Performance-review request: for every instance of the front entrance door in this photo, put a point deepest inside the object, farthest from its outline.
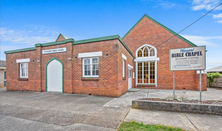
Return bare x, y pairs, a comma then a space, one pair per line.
129, 78
54, 76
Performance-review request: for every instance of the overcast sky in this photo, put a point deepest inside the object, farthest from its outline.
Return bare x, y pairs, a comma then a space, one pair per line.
27, 22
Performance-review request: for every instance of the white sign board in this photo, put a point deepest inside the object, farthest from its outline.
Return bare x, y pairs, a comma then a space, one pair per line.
192, 58
57, 50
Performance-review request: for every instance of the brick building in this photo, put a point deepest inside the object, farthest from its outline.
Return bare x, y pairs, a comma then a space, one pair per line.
106, 66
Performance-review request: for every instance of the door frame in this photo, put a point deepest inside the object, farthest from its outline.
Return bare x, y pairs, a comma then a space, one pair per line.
131, 69
46, 73
143, 72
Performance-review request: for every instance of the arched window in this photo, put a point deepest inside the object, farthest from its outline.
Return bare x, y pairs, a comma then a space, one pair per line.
146, 65
146, 51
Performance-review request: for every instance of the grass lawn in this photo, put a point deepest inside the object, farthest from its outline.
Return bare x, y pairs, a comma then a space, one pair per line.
135, 126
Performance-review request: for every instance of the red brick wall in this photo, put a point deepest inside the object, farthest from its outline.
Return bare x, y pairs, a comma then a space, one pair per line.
203, 82
63, 56
148, 32
60, 38
110, 81
13, 75
123, 82
107, 84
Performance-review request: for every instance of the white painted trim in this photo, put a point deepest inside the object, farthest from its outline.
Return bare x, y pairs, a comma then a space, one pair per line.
91, 67
25, 72
156, 73
202, 72
136, 73
144, 59
129, 66
143, 74
123, 56
124, 68
90, 54
57, 50
148, 73
149, 51
26, 60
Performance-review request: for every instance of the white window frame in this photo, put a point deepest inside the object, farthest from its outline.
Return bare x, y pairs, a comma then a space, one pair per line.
26, 60
148, 73
91, 68
124, 74
4, 75
146, 45
124, 65
146, 59
26, 73
90, 54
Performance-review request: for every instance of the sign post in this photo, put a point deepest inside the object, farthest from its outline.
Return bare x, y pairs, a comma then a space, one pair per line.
173, 85
200, 88
191, 58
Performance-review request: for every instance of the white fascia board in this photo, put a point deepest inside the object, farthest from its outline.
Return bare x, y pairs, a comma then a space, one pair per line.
23, 60
129, 66
123, 56
142, 59
90, 54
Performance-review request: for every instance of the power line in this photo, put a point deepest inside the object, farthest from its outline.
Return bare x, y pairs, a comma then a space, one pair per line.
190, 24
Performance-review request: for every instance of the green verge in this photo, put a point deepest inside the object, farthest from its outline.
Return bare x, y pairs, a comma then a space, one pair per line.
135, 126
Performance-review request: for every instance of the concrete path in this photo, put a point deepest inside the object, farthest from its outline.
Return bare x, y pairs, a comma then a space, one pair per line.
210, 94
186, 121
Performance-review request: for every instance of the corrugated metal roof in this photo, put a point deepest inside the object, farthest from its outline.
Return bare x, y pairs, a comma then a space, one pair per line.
2, 63
216, 69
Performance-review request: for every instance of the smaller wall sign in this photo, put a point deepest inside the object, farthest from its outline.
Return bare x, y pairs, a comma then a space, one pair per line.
57, 50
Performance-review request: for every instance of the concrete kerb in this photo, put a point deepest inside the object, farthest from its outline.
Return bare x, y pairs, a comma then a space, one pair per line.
178, 107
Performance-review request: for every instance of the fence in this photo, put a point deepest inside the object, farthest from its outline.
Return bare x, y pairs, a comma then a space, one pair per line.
217, 82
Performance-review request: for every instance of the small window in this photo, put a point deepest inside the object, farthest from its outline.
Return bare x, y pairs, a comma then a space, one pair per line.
90, 67
124, 69
4, 83
23, 70
4, 74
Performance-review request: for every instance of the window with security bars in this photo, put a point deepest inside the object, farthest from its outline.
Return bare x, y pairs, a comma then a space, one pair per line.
23, 70
91, 67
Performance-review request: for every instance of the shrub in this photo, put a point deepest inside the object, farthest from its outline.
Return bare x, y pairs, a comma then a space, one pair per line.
211, 76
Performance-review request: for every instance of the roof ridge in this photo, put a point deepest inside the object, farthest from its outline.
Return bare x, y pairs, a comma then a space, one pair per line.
64, 37
163, 26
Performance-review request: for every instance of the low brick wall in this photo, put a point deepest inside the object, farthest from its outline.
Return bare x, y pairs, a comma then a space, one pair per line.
177, 107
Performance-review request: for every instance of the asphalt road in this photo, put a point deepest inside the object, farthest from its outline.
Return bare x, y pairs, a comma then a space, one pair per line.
33, 111
37, 111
